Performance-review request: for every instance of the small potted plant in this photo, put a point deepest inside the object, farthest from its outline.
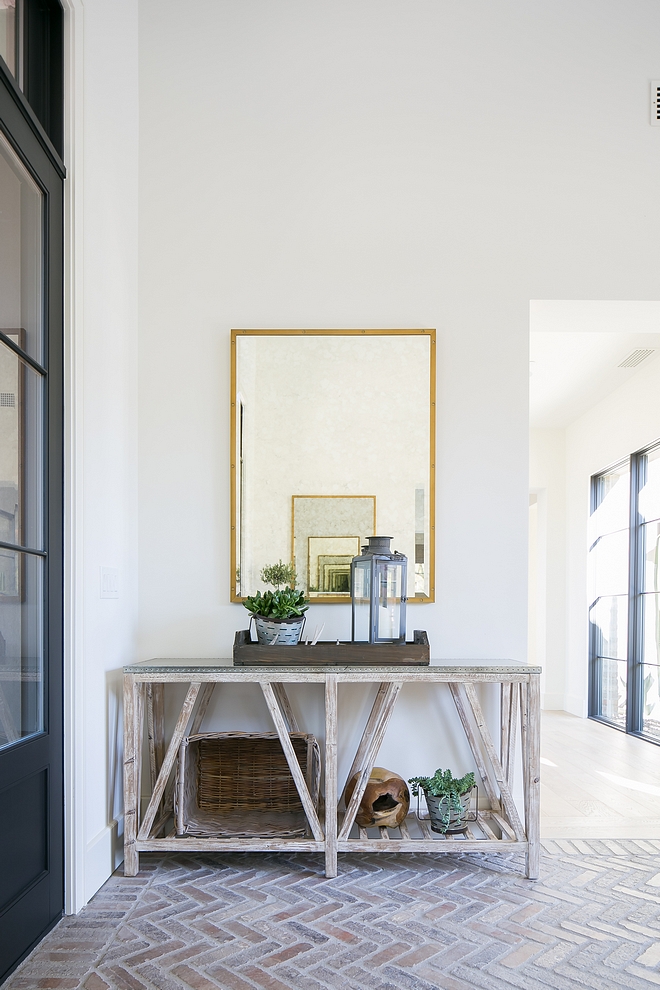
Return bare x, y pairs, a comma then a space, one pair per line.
277, 574
279, 615
447, 798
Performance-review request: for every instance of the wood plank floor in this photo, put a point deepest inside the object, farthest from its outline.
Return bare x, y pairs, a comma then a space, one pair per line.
597, 782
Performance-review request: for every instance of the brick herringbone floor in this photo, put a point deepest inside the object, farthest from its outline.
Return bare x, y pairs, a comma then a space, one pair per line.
269, 922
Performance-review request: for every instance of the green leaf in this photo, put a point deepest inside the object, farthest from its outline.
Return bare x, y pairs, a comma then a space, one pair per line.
443, 784
284, 604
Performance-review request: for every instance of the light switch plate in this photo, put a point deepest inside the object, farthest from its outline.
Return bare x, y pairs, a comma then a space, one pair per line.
109, 582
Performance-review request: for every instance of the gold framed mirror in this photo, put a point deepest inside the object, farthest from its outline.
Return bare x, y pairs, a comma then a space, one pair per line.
332, 440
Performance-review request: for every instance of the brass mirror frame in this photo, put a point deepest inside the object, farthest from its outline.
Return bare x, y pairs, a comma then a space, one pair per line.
431, 334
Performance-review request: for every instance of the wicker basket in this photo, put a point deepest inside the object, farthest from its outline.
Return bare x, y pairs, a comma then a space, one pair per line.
239, 784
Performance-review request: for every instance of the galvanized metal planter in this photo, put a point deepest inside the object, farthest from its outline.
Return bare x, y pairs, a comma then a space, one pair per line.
444, 817
279, 632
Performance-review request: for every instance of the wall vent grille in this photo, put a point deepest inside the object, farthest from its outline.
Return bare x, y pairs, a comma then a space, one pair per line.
7, 399
636, 357
655, 102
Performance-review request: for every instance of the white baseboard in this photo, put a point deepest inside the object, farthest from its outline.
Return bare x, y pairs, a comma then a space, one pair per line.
575, 704
552, 702
104, 853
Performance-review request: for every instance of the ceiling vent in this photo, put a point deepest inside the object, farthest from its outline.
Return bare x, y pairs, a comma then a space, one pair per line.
636, 357
655, 102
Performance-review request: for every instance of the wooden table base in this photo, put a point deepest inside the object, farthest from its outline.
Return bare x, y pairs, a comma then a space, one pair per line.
498, 827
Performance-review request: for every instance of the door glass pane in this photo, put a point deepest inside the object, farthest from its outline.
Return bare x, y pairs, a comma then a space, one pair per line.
612, 498
609, 622
8, 33
21, 204
651, 627
613, 681
21, 455
21, 646
650, 700
608, 560
651, 550
649, 495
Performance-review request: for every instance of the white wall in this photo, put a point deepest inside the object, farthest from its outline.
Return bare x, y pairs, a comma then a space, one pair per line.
337, 164
626, 421
547, 481
378, 164
101, 407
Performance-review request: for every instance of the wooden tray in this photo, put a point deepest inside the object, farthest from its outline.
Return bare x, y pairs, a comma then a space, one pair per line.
415, 654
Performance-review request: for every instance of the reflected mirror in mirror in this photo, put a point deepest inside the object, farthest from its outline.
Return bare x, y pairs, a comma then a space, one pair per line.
322, 551
333, 435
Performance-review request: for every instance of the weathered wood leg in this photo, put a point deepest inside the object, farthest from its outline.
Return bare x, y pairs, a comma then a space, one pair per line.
131, 794
509, 716
205, 694
157, 730
331, 775
491, 793
153, 772
168, 763
505, 715
505, 791
158, 700
367, 763
292, 760
532, 778
372, 721
285, 707
524, 718
511, 745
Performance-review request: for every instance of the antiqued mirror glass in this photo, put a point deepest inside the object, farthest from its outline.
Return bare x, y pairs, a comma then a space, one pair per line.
333, 435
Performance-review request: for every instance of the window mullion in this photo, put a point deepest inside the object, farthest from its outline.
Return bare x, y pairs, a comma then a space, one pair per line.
635, 587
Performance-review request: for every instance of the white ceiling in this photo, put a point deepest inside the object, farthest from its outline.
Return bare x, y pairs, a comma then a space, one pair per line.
575, 348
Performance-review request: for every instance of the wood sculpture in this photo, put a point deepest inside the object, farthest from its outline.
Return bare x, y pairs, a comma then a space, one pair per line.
386, 799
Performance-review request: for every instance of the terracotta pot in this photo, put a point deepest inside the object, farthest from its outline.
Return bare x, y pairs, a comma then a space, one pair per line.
386, 799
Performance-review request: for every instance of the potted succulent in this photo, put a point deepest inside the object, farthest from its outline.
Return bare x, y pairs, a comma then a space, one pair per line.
447, 798
279, 616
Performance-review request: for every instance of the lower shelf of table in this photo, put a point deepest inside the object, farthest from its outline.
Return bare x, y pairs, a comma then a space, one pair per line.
198, 844
490, 832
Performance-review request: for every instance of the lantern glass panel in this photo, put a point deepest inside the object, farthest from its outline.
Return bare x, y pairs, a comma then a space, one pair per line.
389, 600
361, 600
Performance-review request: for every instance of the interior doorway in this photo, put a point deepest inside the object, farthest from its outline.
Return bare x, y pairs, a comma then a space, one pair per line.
594, 401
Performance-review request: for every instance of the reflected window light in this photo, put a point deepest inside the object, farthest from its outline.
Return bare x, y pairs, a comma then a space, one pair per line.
631, 785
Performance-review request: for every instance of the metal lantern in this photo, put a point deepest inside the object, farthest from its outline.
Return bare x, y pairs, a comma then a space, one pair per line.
378, 593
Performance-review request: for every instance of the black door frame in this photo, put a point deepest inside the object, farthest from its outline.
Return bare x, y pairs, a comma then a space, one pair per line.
40, 905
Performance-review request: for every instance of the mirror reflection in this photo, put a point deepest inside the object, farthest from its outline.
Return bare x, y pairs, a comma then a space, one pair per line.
332, 440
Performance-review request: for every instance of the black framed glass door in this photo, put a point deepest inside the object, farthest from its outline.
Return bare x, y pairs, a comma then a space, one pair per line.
624, 611
644, 702
31, 511
609, 549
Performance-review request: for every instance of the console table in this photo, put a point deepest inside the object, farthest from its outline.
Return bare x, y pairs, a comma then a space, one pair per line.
498, 827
